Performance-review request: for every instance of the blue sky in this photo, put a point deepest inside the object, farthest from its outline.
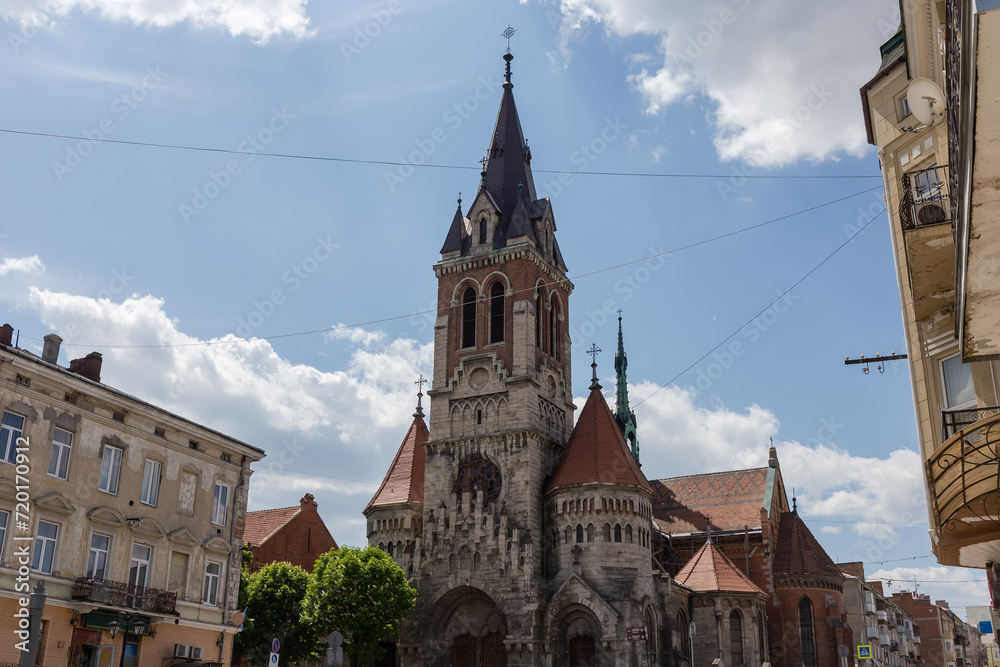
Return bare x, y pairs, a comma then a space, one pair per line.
145, 253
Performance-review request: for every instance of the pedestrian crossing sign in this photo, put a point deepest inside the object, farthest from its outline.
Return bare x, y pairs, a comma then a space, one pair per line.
865, 651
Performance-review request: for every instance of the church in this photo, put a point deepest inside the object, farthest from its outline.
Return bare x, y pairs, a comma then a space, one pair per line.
534, 540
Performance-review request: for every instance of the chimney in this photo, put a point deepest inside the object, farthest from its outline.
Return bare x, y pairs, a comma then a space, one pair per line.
89, 367
6, 335
308, 500
50, 352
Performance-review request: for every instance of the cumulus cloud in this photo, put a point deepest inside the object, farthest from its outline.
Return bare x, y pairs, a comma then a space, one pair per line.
678, 437
21, 265
258, 19
960, 587
345, 423
781, 75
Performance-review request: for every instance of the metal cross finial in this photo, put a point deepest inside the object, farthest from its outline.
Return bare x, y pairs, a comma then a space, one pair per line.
459, 203
508, 33
594, 351
483, 161
421, 381
619, 313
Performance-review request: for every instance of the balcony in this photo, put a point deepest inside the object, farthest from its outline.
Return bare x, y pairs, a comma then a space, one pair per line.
872, 632
924, 210
120, 594
882, 615
924, 201
883, 639
963, 483
953, 421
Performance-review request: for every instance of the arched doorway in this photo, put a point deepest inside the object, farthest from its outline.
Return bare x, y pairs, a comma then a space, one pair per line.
577, 638
471, 628
582, 652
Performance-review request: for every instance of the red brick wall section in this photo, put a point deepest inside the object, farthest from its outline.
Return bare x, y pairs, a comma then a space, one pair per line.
783, 628
300, 542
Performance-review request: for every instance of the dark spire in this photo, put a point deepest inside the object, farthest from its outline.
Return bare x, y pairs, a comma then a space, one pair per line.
421, 381
456, 233
623, 414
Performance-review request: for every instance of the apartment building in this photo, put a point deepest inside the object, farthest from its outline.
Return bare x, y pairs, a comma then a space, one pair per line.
130, 515
930, 110
878, 621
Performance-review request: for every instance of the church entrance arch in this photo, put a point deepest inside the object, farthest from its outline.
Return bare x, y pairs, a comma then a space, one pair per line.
470, 623
577, 638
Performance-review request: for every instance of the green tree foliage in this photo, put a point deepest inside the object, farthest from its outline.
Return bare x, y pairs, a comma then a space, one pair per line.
273, 598
360, 592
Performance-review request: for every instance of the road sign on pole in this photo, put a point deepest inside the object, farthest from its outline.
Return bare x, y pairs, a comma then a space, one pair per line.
273, 662
865, 651
275, 645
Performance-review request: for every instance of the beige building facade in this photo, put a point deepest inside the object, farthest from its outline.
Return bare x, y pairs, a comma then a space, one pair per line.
931, 111
128, 513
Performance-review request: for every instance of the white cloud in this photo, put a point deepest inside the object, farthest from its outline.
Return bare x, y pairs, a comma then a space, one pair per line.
258, 19
21, 264
960, 587
678, 437
831, 530
345, 423
783, 75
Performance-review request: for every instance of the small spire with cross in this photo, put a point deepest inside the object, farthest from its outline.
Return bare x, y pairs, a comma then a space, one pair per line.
460, 199
508, 33
420, 382
593, 352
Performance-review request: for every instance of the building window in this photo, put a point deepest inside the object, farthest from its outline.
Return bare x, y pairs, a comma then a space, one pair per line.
97, 561
220, 504
482, 230
62, 445
958, 389
138, 571
150, 483
212, 576
552, 330
556, 332
736, 638
496, 312
3, 532
579, 533
806, 635
111, 465
10, 430
539, 321
45, 547
469, 318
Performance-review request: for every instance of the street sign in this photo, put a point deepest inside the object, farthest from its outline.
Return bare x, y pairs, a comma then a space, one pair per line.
275, 645
865, 651
335, 639
637, 634
273, 662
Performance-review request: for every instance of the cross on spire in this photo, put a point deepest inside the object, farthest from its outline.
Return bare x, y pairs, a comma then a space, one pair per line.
420, 382
508, 33
593, 352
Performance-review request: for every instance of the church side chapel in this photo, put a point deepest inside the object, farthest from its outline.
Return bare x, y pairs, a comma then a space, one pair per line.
534, 542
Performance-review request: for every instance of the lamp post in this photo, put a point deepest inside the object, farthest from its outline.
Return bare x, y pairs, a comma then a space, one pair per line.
132, 623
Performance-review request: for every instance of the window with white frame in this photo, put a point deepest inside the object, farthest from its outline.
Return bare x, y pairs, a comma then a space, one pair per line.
138, 571
4, 516
62, 446
958, 389
948, 646
213, 574
220, 504
45, 547
111, 465
150, 483
97, 561
10, 430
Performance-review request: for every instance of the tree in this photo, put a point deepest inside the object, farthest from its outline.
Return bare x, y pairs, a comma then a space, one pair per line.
273, 597
360, 592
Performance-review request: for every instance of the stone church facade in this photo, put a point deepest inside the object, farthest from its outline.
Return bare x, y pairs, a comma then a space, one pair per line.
531, 541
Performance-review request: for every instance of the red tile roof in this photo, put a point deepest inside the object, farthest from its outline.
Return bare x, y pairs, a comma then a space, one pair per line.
262, 524
597, 451
731, 500
799, 552
404, 481
709, 571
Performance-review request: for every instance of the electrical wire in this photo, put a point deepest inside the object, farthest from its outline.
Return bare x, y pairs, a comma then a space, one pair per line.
237, 340
390, 163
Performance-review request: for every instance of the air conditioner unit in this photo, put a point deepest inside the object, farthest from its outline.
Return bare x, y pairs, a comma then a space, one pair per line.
181, 650
930, 213
195, 653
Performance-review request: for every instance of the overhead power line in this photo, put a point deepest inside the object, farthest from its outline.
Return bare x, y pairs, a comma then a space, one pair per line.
427, 165
392, 318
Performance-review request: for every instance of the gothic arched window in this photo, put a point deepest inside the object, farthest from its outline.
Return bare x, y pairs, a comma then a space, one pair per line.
469, 318
579, 533
736, 638
618, 532
496, 312
482, 230
481, 478
806, 635
552, 329
539, 322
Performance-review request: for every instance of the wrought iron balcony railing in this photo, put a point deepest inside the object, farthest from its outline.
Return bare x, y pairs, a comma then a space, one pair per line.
120, 594
924, 200
953, 421
963, 476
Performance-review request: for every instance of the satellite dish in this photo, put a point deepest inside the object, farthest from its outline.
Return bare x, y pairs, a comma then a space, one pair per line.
925, 99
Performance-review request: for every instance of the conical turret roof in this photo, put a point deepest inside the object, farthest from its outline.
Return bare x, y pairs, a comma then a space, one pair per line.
710, 571
404, 482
